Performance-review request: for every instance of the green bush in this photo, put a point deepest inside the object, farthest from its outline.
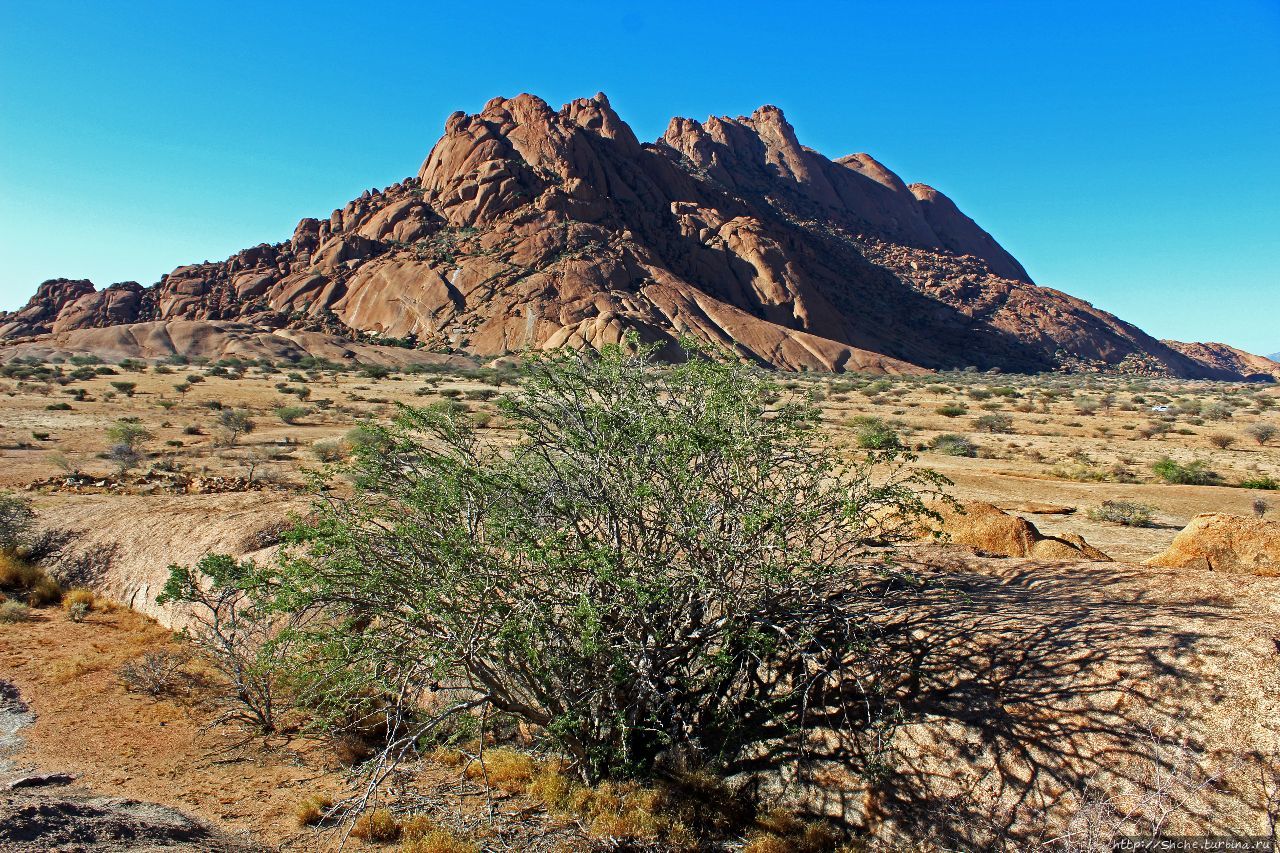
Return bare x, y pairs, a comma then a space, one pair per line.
993, 423
1268, 483
953, 445
14, 611
1195, 473
292, 414
877, 435
693, 596
952, 410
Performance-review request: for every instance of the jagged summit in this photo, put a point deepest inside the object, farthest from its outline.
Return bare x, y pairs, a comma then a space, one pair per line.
528, 226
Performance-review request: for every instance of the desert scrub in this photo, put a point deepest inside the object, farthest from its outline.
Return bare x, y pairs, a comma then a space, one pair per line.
1127, 513
379, 826
952, 410
605, 568
312, 810
18, 577
1195, 473
17, 519
78, 602
503, 768
329, 451
14, 611
292, 414
875, 434
949, 444
1267, 483
155, 673
993, 423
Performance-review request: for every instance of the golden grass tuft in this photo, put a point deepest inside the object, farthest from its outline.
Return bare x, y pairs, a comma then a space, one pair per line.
506, 769
781, 832
447, 757
79, 596
416, 827
69, 669
311, 811
379, 826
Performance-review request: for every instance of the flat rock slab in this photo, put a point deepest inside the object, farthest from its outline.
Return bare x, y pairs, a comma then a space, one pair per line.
41, 780
32, 822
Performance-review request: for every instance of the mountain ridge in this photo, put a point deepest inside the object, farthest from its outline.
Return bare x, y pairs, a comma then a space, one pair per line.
530, 227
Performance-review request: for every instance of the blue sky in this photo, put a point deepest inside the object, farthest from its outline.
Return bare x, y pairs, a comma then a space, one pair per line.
1126, 152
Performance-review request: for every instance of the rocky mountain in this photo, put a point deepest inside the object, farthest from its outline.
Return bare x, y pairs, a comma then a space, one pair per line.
1275, 356
530, 227
1229, 359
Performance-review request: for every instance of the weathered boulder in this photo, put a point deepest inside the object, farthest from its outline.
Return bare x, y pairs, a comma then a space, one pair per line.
1220, 542
990, 530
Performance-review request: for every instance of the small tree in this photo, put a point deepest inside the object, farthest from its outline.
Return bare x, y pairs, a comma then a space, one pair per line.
993, 423
231, 623
666, 566
17, 519
130, 433
1262, 432
235, 423
1222, 440
125, 457
125, 388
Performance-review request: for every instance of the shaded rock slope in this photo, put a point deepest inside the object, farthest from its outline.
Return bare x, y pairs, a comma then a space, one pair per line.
530, 227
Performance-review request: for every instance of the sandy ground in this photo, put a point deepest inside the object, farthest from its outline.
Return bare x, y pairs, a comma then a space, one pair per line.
1094, 643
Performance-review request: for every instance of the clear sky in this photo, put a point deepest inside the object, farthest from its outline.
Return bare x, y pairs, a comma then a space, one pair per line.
1126, 152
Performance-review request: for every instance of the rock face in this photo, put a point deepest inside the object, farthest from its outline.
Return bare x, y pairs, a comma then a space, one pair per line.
1228, 358
1225, 543
990, 530
530, 227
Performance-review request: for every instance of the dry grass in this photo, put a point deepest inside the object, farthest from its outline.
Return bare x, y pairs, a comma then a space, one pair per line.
312, 810
379, 826
505, 769
25, 580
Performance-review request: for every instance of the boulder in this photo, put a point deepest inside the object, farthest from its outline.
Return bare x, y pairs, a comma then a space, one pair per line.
1219, 542
990, 530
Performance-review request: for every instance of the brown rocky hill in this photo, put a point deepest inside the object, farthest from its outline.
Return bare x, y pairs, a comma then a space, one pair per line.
1230, 359
529, 227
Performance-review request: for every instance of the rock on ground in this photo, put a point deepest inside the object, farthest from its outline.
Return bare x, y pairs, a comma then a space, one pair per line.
1225, 543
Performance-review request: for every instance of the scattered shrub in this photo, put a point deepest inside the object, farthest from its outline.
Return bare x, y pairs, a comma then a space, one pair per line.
993, 423
156, 673
329, 451
78, 602
953, 445
877, 435
677, 439
1196, 473
1266, 483
292, 414
14, 611
1222, 440
506, 769
952, 410
1127, 513
1262, 433
312, 810
17, 519
379, 826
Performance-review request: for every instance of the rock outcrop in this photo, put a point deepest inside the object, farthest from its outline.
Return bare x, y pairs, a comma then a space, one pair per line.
1225, 543
531, 227
990, 530
1230, 359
